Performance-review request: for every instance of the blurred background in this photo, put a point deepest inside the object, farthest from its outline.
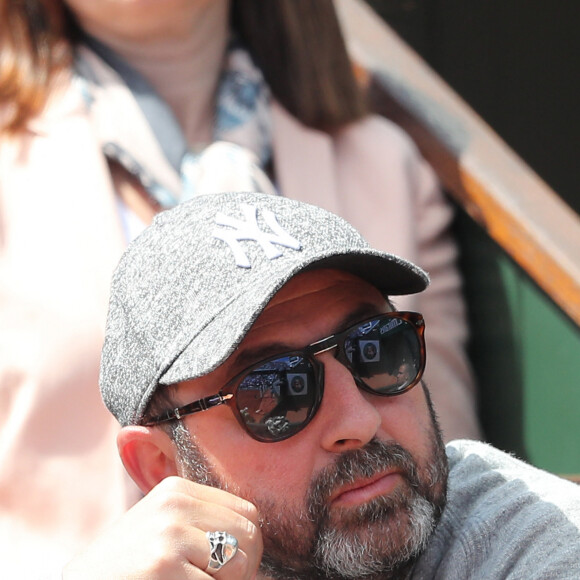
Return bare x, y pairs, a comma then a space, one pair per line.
516, 62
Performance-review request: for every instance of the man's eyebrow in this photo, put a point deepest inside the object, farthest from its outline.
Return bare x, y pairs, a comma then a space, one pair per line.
247, 357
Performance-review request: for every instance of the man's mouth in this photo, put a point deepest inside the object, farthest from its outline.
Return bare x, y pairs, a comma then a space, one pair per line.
364, 490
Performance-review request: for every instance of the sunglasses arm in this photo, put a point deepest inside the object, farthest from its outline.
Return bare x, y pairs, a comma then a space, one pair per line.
195, 407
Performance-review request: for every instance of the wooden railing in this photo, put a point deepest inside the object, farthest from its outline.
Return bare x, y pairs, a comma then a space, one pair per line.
494, 186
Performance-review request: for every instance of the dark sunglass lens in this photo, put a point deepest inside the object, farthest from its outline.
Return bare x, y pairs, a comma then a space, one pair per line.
278, 398
385, 353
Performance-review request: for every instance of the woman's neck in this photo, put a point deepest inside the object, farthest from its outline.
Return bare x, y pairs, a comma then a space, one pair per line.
185, 68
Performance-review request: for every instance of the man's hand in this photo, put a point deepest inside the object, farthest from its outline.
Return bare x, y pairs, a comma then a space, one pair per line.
163, 536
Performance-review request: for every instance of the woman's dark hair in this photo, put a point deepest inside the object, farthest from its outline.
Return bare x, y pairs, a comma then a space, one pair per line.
299, 47
297, 44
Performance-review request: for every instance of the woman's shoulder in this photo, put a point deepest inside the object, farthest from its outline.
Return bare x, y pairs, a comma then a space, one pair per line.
371, 131
377, 134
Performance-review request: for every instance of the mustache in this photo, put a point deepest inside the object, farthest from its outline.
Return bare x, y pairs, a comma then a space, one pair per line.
375, 457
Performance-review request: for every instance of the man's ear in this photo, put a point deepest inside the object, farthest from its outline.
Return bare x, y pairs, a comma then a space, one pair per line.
148, 455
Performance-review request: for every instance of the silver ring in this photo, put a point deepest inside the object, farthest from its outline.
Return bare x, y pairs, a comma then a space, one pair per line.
223, 548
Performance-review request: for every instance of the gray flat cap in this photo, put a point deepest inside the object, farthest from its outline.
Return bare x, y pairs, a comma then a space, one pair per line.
188, 289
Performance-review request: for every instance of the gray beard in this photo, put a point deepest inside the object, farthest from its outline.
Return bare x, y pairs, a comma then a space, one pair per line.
351, 557
379, 540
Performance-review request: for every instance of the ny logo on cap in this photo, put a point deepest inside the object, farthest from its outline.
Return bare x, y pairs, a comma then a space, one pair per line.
249, 230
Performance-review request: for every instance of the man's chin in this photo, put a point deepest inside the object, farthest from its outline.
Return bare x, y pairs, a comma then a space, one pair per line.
382, 537
390, 531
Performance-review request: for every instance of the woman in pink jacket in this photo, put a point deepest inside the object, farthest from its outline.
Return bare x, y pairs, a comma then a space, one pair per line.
112, 111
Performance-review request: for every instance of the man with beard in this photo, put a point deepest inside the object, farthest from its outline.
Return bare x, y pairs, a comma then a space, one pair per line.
215, 311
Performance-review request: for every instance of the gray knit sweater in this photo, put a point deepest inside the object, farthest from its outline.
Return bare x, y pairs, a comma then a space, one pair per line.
504, 520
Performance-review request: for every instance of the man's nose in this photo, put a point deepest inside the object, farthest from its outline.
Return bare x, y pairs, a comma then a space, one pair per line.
349, 415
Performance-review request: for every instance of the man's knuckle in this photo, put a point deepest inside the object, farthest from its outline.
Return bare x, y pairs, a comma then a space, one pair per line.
247, 509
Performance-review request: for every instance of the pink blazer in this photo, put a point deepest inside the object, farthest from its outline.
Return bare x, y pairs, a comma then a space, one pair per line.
61, 480
60, 237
